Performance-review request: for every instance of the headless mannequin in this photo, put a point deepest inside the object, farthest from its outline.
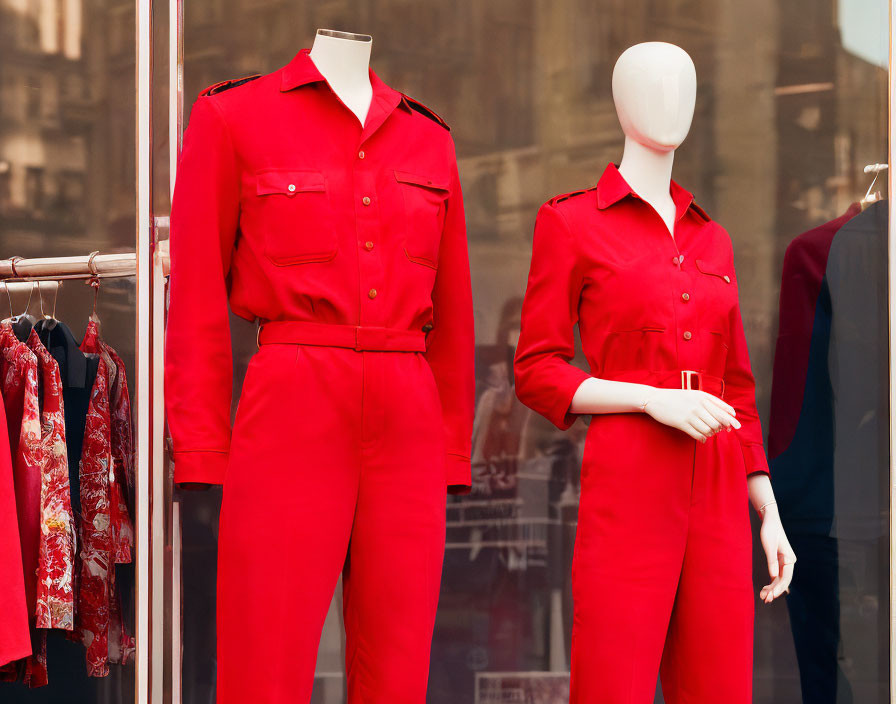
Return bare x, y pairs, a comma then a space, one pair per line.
344, 60
654, 89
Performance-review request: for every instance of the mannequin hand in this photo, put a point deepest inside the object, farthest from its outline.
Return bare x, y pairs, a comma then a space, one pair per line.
697, 413
779, 554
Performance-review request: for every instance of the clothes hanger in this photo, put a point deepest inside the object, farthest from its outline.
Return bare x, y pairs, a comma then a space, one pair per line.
872, 197
24, 321
94, 281
49, 321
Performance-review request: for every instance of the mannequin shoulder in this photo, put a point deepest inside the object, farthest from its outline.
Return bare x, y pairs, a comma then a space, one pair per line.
572, 198
701, 212
228, 84
419, 107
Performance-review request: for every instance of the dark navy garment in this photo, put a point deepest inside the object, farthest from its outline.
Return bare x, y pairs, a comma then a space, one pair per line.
78, 371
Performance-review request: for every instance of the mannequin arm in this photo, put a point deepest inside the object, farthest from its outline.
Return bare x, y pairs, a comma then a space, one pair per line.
778, 553
694, 412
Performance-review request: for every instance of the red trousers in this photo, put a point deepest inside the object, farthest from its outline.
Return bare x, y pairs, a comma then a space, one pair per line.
662, 578
336, 466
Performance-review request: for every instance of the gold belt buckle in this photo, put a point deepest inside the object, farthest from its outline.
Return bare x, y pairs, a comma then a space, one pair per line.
686, 379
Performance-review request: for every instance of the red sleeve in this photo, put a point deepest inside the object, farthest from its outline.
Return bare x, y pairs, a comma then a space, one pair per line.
545, 380
198, 354
740, 392
450, 343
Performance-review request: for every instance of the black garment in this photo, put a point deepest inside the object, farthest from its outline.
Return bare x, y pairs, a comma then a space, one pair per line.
78, 371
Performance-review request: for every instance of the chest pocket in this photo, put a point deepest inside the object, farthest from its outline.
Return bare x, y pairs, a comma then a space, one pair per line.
424, 214
719, 291
295, 216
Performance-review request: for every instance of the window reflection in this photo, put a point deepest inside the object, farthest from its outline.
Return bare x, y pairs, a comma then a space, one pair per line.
67, 187
791, 105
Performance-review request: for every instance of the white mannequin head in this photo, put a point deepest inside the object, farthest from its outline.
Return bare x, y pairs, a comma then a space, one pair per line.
655, 89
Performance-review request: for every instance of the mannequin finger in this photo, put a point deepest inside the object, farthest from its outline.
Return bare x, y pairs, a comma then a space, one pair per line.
786, 575
701, 427
723, 416
727, 407
692, 431
714, 423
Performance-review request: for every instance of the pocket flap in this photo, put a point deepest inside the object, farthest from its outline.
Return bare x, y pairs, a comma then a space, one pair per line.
416, 180
288, 181
714, 270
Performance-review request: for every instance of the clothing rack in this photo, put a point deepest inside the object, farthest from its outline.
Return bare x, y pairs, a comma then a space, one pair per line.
91, 266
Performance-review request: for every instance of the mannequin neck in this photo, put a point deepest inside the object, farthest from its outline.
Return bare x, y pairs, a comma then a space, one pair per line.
647, 171
343, 59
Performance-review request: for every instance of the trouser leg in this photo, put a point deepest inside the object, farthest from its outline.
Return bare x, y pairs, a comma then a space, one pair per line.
709, 648
286, 517
391, 580
629, 544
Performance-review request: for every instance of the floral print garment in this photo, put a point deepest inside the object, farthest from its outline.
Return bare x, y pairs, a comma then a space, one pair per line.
55, 595
19, 388
105, 451
95, 528
122, 457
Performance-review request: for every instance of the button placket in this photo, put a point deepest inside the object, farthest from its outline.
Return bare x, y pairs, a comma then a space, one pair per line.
367, 223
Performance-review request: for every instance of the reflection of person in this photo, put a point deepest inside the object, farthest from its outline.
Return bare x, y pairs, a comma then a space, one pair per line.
662, 576
501, 420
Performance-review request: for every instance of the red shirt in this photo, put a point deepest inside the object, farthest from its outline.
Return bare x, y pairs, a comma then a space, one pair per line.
645, 303
290, 210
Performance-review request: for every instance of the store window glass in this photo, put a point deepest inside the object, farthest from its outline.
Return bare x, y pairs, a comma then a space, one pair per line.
791, 106
68, 188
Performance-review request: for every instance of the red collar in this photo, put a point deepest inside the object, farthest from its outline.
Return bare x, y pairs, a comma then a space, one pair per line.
301, 71
612, 187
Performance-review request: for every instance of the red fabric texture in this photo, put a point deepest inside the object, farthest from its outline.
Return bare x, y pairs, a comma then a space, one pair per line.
15, 642
286, 208
657, 508
604, 259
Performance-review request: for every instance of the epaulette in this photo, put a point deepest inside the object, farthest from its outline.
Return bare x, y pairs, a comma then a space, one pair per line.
425, 111
701, 212
571, 194
228, 84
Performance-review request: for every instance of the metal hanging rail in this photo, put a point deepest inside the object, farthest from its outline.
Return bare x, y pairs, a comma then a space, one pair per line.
93, 265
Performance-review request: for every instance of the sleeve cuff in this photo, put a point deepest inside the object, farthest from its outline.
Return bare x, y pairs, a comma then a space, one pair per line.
560, 415
754, 458
458, 473
200, 466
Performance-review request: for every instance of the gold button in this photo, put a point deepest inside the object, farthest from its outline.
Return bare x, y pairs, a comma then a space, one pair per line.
371, 293
427, 327
685, 296
368, 245
361, 154
291, 187
687, 334
727, 279
365, 200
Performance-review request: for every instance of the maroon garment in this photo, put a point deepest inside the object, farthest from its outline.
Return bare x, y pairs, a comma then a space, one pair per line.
805, 262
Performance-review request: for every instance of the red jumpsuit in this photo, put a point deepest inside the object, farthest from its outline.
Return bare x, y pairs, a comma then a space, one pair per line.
662, 561
349, 244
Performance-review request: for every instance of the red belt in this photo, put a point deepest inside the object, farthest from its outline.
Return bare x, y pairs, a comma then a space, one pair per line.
354, 337
674, 379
